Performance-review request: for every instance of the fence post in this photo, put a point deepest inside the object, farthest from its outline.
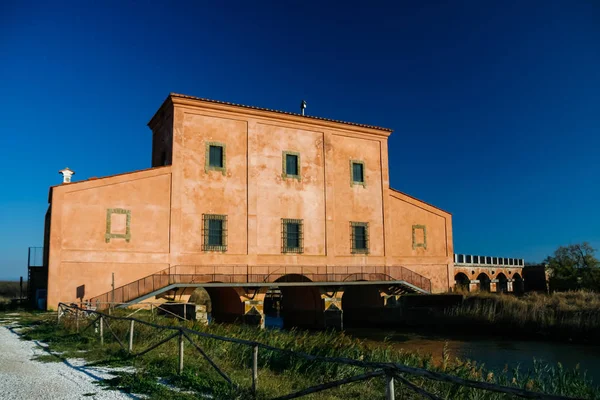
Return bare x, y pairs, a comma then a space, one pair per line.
389, 387
254, 368
131, 336
180, 351
58, 314
77, 319
101, 331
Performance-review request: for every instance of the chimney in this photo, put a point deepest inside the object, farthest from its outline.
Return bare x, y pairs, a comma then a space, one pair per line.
302, 106
66, 173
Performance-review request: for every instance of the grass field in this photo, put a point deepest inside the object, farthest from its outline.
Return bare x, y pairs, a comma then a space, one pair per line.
563, 315
279, 373
10, 290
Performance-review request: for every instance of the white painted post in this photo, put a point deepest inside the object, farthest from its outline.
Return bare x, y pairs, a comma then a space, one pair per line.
254, 368
180, 352
131, 336
390, 394
101, 331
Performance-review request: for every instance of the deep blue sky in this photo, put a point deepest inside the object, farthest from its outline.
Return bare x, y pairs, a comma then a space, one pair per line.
495, 105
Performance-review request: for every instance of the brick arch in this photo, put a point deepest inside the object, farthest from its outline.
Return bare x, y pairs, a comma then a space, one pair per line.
502, 284
462, 281
484, 282
518, 284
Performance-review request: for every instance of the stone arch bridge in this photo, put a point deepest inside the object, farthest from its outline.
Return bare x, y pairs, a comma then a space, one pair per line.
488, 274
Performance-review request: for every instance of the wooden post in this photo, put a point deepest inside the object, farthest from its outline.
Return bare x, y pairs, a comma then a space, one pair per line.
131, 336
101, 331
254, 368
113, 291
180, 351
390, 394
77, 319
58, 313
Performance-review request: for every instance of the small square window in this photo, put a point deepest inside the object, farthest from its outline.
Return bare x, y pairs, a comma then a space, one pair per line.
419, 236
359, 232
291, 165
357, 173
215, 157
292, 240
215, 232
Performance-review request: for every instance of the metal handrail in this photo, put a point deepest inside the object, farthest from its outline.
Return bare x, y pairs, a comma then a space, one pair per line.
203, 274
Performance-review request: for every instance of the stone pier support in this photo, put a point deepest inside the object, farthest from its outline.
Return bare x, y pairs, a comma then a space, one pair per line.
509, 286
493, 285
390, 301
474, 285
254, 313
333, 314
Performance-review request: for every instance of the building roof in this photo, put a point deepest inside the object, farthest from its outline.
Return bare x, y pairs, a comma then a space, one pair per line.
183, 96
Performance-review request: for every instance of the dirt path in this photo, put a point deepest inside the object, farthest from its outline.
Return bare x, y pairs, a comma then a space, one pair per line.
22, 378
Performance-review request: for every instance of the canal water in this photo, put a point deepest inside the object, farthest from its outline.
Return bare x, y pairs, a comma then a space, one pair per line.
495, 353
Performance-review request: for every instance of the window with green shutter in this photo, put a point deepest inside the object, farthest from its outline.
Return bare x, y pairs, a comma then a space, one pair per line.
291, 165
357, 173
215, 157
359, 237
215, 232
292, 240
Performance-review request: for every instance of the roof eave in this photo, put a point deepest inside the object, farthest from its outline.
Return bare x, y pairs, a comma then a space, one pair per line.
221, 105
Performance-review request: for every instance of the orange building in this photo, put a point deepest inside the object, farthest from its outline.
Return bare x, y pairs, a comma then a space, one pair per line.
248, 193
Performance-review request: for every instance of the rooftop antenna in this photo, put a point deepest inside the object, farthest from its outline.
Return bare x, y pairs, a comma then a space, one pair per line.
302, 106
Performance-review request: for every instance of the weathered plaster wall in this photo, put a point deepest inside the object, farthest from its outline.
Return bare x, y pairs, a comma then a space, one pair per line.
431, 252
80, 253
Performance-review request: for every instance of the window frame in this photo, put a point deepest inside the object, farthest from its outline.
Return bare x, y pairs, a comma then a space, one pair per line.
284, 173
364, 177
353, 248
416, 245
207, 166
206, 246
285, 249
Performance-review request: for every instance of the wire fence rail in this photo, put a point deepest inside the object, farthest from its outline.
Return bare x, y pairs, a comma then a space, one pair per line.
391, 372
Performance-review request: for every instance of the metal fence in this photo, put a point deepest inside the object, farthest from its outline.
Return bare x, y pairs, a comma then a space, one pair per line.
391, 372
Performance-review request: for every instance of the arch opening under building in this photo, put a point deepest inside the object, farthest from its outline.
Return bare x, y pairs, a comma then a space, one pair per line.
225, 303
361, 304
301, 306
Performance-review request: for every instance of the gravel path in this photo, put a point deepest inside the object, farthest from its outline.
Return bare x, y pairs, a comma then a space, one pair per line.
22, 378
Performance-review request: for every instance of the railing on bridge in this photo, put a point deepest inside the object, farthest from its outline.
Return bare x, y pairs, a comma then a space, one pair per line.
237, 274
468, 259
